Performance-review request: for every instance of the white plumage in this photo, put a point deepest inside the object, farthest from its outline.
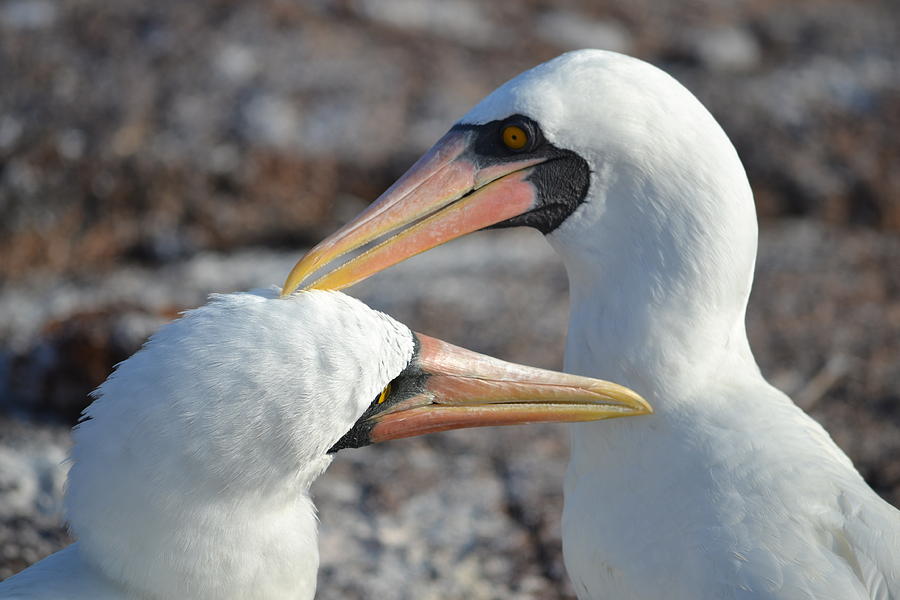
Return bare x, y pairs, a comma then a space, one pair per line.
730, 490
190, 478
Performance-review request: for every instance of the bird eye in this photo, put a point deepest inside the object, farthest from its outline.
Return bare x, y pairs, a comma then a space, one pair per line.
514, 137
384, 394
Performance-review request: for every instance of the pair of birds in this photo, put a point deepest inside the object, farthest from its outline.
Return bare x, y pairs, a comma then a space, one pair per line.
190, 477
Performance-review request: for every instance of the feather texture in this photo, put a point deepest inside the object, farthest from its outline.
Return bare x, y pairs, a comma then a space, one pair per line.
729, 490
191, 472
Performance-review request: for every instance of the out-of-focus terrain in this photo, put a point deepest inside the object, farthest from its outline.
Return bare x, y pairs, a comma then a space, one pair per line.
151, 153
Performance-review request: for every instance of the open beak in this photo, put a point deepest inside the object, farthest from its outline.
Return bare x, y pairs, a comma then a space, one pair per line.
443, 196
447, 387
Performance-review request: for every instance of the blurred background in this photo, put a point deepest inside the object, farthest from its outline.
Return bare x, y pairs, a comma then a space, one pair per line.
153, 152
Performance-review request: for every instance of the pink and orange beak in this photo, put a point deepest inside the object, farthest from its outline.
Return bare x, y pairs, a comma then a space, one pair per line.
447, 194
447, 387
443, 196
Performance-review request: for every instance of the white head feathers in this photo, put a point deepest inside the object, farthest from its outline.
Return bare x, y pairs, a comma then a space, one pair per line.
225, 415
664, 245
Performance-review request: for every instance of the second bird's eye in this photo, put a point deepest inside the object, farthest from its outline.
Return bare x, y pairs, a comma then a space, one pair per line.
384, 394
514, 137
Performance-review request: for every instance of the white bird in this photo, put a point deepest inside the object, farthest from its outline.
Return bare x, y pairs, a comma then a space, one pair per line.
190, 475
729, 490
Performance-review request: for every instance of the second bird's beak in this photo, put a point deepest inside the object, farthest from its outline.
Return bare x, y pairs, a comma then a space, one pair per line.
445, 195
447, 387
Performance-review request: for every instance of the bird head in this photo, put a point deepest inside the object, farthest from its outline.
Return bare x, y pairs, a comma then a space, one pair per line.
627, 174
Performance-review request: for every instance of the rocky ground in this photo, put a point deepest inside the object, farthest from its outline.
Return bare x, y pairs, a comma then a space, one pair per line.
151, 153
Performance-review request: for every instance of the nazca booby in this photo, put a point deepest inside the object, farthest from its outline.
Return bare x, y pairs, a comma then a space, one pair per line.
729, 490
190, 475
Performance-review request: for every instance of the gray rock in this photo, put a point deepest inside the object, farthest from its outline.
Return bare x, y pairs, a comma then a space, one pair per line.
28, 14
726, 48
571, 31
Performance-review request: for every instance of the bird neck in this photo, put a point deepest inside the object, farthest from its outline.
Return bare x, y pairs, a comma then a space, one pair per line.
191, 504
168, 530
660, 309
660, 344
660, 261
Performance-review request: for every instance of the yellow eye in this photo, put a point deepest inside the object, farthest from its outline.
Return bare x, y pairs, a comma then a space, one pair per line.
514, 137
384, 394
